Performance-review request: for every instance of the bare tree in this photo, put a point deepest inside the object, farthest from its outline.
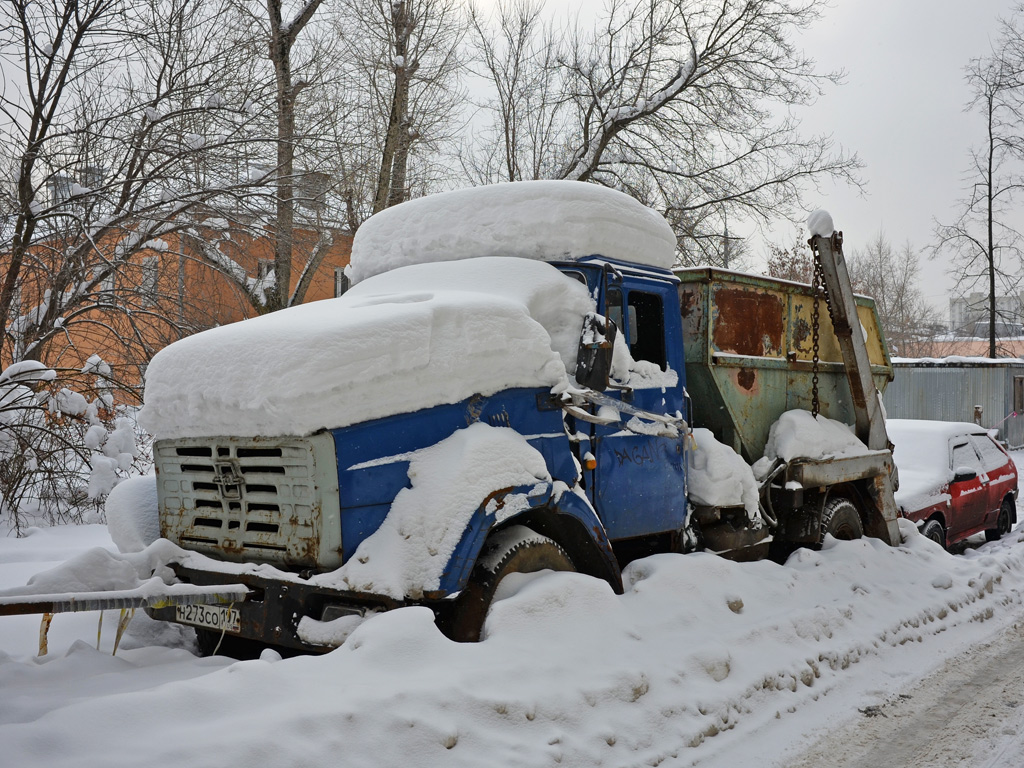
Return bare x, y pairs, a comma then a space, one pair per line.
406, 59
891, 278
283, 33
518, 52
123, 136
677, 102
984, 244
794, 263
119, 124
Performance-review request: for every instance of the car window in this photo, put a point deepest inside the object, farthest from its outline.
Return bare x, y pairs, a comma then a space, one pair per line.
991, 457
964, 456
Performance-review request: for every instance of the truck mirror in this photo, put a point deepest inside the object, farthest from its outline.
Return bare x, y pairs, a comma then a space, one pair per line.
594, 356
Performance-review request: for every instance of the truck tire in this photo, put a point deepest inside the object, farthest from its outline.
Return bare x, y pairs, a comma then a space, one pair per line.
933, 530
841, 519
1003, 523
514, 550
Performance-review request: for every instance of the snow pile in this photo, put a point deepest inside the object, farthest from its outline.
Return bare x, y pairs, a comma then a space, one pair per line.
413, 338
99, 570
546, 220
717, 476
799, 435
411, 549
820, 223
701, 662
132, 513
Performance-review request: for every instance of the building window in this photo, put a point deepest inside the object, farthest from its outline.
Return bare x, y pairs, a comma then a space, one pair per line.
150, 279
341, 282
264, 268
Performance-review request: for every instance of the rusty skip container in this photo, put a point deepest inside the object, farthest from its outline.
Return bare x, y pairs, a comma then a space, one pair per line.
749, 352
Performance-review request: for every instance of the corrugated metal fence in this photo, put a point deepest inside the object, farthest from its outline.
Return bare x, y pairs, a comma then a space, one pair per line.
949, 391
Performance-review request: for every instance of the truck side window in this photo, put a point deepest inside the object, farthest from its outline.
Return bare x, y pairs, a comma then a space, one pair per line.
648, 340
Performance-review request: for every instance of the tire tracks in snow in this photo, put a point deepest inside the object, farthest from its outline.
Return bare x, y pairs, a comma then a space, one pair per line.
968, 712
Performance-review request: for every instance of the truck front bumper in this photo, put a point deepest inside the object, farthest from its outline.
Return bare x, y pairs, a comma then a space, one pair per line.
271, 611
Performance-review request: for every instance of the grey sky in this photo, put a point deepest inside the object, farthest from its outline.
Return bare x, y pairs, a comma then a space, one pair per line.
901, 110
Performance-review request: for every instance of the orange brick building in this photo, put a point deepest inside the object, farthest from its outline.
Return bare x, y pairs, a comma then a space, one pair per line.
173, 286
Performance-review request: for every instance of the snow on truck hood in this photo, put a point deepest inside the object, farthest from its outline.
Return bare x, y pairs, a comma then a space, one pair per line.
419, 336
543, 220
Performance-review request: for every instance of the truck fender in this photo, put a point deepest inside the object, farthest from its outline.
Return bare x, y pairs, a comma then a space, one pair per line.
555, 511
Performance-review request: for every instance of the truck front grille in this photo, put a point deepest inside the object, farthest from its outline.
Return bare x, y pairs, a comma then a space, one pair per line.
268, 500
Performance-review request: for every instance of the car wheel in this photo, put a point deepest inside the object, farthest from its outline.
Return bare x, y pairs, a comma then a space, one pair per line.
841, 519
1002, 523
933, 530
514, 550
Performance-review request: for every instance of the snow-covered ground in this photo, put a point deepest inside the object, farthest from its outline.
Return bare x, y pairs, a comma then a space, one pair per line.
701, 662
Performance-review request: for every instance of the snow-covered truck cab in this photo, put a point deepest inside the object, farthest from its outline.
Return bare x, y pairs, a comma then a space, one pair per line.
419, 437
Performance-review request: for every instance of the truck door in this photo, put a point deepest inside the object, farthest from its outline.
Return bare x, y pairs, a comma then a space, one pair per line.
639, 483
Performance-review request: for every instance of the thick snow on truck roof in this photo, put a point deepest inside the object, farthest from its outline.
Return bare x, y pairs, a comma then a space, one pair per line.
544, 220
434, 317
412, 338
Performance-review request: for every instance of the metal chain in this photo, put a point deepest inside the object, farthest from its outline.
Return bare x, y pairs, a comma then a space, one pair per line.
815, 334
820, 290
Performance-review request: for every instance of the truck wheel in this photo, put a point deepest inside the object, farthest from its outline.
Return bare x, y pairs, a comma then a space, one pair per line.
841, 519
517, 549
933, 530
1002, 523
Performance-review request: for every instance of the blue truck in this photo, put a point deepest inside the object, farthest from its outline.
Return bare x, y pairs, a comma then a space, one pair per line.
281, 514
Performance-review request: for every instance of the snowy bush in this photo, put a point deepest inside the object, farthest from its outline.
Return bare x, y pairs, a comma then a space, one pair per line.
63, 443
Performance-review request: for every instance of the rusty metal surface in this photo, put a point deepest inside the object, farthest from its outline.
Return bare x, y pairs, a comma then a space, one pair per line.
252, 499
749, 355
830, 472
749, 322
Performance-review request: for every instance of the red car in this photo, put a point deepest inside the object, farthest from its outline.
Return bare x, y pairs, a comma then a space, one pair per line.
955, 480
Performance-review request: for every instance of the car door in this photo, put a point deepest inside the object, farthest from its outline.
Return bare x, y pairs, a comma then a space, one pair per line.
968, 497
1000, 479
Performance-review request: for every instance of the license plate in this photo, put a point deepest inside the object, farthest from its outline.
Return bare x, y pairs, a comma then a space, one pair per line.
216, 617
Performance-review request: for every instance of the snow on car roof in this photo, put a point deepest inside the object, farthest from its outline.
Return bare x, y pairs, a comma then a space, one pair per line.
936, 429
921, 453
417, 337
545, 220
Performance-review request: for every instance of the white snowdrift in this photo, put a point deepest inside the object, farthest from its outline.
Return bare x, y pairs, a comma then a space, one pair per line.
717, 476
413, 338
133, 515
411, 549
701, 662
799, 435
97, 570
529, 219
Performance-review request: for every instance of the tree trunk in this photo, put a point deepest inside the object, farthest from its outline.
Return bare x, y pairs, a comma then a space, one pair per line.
991, 238
395, 154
